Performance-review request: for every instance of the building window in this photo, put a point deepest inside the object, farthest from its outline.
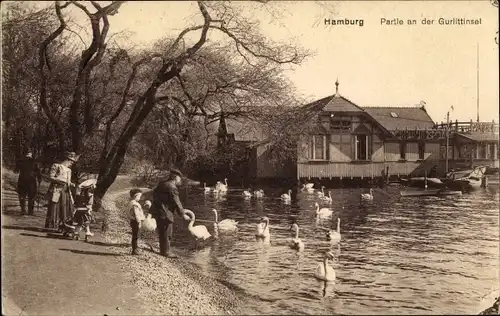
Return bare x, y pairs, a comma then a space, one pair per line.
361, 147
340, 125
421, 151
317, 147
402, 151
492, 151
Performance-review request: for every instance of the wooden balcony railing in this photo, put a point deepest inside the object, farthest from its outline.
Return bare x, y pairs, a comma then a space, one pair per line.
439, 130
470, 127
426, 134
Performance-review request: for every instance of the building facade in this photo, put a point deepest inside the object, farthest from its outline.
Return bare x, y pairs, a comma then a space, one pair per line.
347, 141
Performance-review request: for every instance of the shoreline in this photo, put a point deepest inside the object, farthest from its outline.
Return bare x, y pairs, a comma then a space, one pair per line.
172, 286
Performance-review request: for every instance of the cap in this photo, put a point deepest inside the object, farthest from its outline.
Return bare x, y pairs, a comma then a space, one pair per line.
71, 155
133, 192
175, 172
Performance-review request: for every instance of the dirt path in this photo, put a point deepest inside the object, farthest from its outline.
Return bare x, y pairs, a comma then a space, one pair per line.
44, 274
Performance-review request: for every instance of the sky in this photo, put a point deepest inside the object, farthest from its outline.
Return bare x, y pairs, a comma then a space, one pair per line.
376, 64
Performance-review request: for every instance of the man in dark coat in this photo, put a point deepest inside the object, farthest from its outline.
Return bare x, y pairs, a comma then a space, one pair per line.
165, 202
28, 182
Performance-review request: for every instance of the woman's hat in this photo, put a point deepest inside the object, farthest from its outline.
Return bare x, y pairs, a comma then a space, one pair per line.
71, 155
87, 183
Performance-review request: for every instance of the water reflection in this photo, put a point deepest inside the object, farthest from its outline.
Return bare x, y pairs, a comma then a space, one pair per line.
397, 255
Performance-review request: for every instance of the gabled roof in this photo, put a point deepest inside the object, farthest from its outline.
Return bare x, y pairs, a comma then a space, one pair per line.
333, 103
406, 117
340, 104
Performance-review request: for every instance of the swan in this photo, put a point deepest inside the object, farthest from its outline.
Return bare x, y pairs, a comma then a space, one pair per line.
324, 212
296, 244
287, 197
309, 185
207, 189
247, 193
334, 236
259, 193
200, 231
327, 198
367, 196
321, 193
306, 189
263, 228
324, 271
223, 187
226, 224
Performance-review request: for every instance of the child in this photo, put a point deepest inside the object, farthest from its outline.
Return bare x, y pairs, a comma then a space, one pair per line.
136, 216
83, 208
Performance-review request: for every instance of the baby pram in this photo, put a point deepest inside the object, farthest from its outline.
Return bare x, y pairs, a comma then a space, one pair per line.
82, 214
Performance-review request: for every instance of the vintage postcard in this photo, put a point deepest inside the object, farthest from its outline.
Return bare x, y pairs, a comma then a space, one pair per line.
250, 157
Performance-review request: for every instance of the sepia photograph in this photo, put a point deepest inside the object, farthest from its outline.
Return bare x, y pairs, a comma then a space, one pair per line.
250, 157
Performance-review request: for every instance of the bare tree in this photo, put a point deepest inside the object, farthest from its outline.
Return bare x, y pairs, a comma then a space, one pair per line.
165, 68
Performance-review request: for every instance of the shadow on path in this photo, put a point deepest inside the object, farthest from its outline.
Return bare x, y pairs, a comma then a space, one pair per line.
49, 235
104, 244
28, 228
95, 253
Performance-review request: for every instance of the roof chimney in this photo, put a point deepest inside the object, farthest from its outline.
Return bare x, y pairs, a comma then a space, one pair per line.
337, 88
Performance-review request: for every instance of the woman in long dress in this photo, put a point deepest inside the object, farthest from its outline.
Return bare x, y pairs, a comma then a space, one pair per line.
60, 206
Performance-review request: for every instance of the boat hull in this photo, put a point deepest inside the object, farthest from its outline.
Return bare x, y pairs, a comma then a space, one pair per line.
430, 193
420, 182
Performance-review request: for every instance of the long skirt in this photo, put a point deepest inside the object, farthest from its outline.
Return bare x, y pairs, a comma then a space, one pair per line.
60, 211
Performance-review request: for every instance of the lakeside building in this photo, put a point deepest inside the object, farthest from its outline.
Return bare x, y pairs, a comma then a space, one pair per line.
347, 142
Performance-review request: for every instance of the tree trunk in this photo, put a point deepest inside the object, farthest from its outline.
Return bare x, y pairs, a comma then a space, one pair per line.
116, 156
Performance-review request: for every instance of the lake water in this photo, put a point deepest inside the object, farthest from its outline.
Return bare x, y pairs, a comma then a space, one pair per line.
423, 255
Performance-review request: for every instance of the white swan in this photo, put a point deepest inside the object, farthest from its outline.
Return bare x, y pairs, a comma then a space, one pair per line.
206, 189
216, 188
324, 212
200, 231
321, 193
367, 196
287, 197
226, 224
309, 185
259, 194
223, 187
324, 271
306, 189
296, 244
327, 198
263, 228
334, 236
247, 193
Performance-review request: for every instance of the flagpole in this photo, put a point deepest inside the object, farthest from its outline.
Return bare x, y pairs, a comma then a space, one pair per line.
477, 80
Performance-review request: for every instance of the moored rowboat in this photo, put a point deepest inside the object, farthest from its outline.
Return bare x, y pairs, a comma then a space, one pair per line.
430, 193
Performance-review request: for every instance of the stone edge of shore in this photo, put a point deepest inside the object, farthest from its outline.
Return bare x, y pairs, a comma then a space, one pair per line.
171, 286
